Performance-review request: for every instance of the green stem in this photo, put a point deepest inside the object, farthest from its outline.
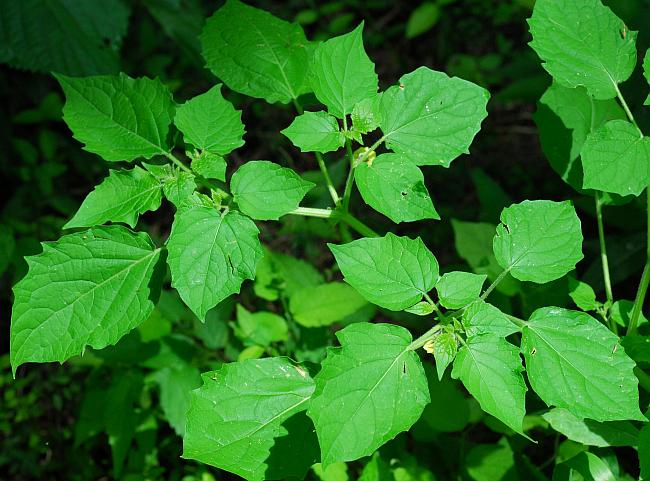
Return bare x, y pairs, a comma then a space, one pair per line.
177, 162
603, 249
313, 212
347, 193
422, 340
328, 180
515, 320
626, 108
640, 298
496, 282
357, 225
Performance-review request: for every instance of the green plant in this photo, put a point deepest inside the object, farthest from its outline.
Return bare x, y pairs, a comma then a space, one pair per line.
274, 417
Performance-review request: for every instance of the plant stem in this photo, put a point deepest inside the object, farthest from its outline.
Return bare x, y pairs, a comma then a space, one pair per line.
494, 284
313, 212
347, 193
645, 277
328, 180
516, 320
603, 249
177, 161
422, 340
357, 225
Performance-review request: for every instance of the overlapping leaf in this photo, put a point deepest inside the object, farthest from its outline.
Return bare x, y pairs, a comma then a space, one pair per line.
430, 117
117, 117
264, 190
457, 289
86, 289
483, 318
315, 132
246, 419
374, 380
394, 186
583, 43
121, 197
211, 254
257, 54
393, 272
575, 362
538, 240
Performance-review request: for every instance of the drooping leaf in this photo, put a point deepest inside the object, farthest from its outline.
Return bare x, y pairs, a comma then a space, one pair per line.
210, 166
176, 383
490, 368
564, 118
575, 362
265, 191
211, 254
121, 197
616, 159
315, 132
589, 466
209, 122
445, 348
261, 328
82, 41
539, 240
342, 74
592, 433
245, 413
457, 289
483, 318
257, 54
324, 304
117, 117
583, 43
373, 379
394, 186
393, 272
86, 289
430, 117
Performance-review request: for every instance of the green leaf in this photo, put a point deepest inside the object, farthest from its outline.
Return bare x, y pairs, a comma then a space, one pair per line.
240, 418
72, 38
422, 308
175, 383
265, 191
583, 43
430, 117
210, 166
121, 197
538, 240
278, 272
86, 289
616, 159
209, 122
324, 304
179, 188
449, 410
262, 328
210, 255
315, 132
117, 117
342, 74
365, 117
392, 272
588, 465
582, 294
491, 462
576, 363
644, 451
373, 379
393, 185
422, 19
592, 433
483, 318
257, 54
646, 72
564, 117
621, 311
457, 289
490, 368
333, 472
445, 348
